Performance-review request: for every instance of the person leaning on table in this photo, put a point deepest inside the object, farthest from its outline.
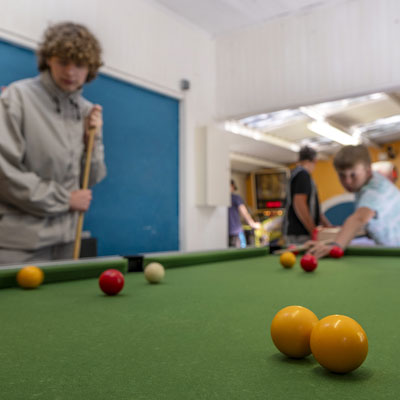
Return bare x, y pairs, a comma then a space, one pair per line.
377, 205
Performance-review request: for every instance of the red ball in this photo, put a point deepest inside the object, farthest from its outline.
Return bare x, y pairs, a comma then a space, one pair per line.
308, 262
336, 252
111, 281
293, 246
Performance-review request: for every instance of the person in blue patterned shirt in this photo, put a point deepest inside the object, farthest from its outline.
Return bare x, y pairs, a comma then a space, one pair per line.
377, 207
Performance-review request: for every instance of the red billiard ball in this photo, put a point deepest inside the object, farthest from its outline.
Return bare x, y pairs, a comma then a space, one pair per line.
293, 246
308, 262
336, 252
111, 282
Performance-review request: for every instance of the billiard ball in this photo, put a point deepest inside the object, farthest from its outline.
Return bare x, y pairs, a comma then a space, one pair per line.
154, 272
291, 247
339, 343
336, 252
287, 259
30, 277
111, 281
308, 262
291, 329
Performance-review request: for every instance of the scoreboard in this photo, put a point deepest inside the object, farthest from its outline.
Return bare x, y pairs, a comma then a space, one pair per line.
268, 189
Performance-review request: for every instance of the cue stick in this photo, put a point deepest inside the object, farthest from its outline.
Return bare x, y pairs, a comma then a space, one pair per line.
85, 184
299, 248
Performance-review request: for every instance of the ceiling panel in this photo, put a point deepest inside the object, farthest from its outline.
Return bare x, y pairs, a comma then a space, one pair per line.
262, 150
375, 117
221, 16
350, 115
365, 113
294, 132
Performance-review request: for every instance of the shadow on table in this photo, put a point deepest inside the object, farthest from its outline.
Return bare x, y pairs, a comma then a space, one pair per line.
361, 374
279, 357
106, 296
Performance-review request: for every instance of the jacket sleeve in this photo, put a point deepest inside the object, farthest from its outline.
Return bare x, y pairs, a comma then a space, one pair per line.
20, 187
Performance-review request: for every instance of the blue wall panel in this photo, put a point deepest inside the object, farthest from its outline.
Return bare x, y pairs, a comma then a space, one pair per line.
339, 213
135, 209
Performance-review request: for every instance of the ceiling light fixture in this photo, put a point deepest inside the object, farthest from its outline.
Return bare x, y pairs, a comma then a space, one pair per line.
332, 133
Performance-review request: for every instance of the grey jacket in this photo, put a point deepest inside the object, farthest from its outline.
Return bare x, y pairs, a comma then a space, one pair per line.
41, 162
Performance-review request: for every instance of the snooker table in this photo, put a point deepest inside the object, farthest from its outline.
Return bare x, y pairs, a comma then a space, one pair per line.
201, 334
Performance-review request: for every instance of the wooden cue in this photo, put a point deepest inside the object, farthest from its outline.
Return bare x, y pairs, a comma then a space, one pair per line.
300, 248
85, 184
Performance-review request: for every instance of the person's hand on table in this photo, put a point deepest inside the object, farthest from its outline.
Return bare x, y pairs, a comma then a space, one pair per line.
318, 249
80, 200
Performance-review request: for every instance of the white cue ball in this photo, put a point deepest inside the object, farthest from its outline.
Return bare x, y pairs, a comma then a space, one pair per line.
154, 272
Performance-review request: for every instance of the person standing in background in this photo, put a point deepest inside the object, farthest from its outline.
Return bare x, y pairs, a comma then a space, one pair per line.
235, 212
302, 213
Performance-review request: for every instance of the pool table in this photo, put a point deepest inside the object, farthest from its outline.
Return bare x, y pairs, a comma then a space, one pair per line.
201, 334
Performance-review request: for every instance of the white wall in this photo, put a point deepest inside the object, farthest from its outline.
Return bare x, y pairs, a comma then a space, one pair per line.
150, 46
330, 52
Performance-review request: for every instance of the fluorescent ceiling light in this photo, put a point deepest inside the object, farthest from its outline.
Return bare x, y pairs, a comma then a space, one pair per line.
332, 133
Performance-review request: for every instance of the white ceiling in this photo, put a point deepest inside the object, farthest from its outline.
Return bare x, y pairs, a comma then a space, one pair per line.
221, 16
275, 143
375, 119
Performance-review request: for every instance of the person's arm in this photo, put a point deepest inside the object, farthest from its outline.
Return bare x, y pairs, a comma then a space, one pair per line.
245, 214
20, 187
351, 226
325, 221
302, 211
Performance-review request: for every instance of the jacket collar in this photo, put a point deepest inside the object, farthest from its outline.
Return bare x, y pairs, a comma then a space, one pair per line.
55, 91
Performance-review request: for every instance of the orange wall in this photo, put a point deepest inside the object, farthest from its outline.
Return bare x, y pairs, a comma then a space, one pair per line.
396, 161
326, 180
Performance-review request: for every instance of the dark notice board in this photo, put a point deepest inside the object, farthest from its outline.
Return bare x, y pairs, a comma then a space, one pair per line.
136, 208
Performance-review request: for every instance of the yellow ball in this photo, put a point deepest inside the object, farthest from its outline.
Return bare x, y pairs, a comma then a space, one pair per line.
339, 343
287, 259
30, 277
291, 329
154, 272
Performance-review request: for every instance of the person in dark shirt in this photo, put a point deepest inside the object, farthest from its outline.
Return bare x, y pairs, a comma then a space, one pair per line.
235, 211
302, 214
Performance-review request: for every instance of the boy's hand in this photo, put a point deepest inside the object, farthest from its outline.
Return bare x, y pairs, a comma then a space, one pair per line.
318, 249
80, 200
94, 121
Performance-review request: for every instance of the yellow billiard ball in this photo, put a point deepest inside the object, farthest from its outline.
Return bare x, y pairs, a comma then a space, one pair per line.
287, 259
339, 343
30, 277
291, 329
